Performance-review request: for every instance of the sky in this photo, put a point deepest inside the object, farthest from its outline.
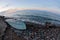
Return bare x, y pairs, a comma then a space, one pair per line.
49, 5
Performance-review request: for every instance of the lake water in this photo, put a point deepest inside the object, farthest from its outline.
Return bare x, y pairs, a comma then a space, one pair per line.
16, 24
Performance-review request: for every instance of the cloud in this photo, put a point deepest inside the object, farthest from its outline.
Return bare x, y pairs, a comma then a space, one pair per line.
6, 5
55, 10
12, 9
9, 11
4, 8
47, 9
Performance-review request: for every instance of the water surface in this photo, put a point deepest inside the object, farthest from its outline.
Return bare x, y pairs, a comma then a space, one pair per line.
16, 24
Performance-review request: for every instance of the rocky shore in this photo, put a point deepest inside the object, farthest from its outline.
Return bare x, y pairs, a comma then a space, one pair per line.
7, 31
32, 32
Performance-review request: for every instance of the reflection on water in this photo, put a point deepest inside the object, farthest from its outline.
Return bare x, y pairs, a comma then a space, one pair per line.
16, 24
